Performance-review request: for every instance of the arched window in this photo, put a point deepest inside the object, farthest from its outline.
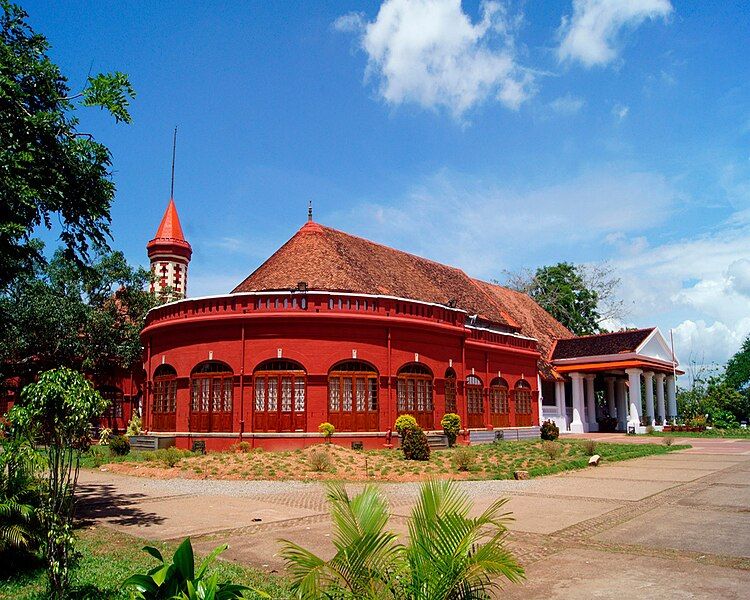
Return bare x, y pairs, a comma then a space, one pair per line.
475, 401
450, 391
414, 394
211, 385
523, 403
353, 396
116, 399
499, 407
164, 402
280, 391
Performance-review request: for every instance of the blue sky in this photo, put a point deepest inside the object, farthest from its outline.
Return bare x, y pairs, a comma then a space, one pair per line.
488, 135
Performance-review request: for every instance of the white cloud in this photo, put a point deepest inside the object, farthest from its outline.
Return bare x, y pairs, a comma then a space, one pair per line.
429, 52
484, 227
620, 111
699, 342
591, 34
567, 105
739, 276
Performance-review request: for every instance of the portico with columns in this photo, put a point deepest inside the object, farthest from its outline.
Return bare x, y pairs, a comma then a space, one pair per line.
622, 381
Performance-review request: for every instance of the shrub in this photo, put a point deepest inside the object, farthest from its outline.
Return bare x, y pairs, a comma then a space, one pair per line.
169, 457
552, 449
119, 445
722, 419
589, 447
451, 424
463, 459
241, 447
104, 435
134, 426
414, 445
319, 461
327, 430
668, 440
405, 423
549, 431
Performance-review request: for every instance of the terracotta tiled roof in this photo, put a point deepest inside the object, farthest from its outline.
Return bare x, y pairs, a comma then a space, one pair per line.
533, 320
620, 342
328, 259
170, 228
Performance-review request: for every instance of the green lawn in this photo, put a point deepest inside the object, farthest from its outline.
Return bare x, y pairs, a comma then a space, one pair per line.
709, 433
109, 557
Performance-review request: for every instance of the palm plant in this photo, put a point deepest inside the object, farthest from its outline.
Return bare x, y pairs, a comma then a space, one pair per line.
449, 556
20, 530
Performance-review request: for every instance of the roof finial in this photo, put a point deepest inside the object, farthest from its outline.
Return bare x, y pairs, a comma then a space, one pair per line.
309, 211
174, 150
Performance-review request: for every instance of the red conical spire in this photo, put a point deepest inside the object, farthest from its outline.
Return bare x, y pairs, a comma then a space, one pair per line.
169, 237
170, 228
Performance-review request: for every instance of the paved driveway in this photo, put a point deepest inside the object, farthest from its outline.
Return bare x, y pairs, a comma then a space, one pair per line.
674, 526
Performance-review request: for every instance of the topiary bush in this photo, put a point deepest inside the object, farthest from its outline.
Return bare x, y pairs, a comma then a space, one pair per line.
119, 445
451, 424
549, 431
327, 430
405, 423
414, 445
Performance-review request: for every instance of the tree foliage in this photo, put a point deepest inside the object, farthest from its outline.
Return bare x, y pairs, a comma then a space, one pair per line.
85, 318
49, 167
714, 398
57, 411
573, 294
737, 373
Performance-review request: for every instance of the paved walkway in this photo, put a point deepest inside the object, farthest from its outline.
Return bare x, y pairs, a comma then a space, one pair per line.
671, 526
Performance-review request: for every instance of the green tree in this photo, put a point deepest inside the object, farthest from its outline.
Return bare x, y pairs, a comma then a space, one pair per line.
561, 291
85, 318
49, 167
737, 373
449, 555
57, 411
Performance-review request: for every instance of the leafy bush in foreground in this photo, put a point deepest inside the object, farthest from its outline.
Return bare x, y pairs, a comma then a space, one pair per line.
179, 579
448, 554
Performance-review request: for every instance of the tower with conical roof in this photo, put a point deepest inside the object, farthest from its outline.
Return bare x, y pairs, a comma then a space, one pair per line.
169, 253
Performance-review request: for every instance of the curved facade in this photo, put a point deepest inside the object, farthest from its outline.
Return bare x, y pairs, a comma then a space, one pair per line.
273, 365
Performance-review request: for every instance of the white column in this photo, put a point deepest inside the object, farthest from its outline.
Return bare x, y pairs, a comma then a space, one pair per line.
591, 403
660, 398
576, 425
634, 393
622, 410
671, 399
610, 395
560, 405
648, 380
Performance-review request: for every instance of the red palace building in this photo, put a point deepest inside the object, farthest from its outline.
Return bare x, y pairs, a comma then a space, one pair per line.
336, 328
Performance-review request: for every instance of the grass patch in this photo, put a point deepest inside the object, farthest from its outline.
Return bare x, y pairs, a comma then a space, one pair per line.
709, 433
109, 557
